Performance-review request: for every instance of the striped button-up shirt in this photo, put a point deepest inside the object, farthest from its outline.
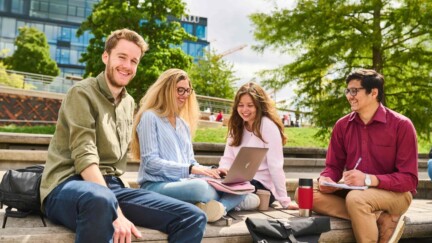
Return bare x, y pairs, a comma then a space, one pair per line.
166, 152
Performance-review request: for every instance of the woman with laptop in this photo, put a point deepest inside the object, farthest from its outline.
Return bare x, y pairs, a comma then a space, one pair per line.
254, 122
162, 141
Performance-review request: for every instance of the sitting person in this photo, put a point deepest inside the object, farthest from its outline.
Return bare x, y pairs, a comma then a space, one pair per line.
219, 117
254, 122
430, 164
212, 117
81, 186
372, 146
162, 141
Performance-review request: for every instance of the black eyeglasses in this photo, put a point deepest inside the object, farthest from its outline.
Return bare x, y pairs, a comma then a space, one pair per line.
182, 91
352, 91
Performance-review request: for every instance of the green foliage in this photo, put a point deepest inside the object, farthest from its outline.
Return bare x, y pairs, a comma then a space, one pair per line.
148, 18
13, 80
331, 38
32, 53
212, 76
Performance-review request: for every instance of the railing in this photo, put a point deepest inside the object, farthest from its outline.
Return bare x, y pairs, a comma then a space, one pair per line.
38, 82
213, 104
31, 81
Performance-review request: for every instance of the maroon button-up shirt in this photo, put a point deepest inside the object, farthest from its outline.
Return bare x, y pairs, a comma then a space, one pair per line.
387, 146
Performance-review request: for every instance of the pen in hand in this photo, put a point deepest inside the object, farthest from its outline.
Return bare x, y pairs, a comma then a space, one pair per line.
358, 162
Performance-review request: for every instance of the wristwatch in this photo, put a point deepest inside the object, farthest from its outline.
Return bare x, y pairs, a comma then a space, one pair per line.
368, 180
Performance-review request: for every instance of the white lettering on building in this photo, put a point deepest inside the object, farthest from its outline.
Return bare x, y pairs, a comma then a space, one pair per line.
190, 19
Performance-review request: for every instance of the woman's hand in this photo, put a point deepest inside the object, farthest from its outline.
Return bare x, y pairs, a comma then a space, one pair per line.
200, 170
293, 206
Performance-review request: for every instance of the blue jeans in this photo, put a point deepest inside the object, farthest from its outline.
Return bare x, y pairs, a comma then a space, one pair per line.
89, 209
430, 168
194, 191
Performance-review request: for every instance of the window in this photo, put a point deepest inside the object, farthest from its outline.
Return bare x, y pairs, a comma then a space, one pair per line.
193, 49
17, 6
7, 45
201, 32
37, 26
200, 50
184, 47
8, 28
80, 12
63, 56
51, 33
72, 10
2, 3
188, 28
74, 57
58, 9
65, 34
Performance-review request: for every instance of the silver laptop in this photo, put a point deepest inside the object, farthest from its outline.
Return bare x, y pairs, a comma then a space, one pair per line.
245, 165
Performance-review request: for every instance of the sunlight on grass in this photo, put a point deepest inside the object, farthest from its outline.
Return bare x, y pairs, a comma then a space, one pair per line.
49, 129
297, 137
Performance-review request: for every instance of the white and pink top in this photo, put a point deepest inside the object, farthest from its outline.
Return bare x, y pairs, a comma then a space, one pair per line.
270, 173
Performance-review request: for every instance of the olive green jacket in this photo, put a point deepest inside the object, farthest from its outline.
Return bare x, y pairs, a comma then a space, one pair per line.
91, 129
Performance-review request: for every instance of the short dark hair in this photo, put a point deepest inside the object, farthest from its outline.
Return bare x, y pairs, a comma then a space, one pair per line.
369, 79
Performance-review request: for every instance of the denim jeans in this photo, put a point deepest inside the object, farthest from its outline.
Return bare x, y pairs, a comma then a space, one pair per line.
89, 209
193, 191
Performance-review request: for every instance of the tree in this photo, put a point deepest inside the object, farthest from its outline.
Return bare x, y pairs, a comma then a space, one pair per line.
13, 80
331, 38
154, 20
212, 76
32, 53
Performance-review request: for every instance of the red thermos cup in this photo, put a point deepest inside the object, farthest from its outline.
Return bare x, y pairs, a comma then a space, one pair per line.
305, 197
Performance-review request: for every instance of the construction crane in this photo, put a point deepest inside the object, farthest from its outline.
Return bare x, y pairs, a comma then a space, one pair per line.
229, 51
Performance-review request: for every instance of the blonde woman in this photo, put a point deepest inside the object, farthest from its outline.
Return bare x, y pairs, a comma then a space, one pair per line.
254, 122
162, 141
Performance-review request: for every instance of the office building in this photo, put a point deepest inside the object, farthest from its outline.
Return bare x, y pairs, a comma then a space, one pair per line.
60, 19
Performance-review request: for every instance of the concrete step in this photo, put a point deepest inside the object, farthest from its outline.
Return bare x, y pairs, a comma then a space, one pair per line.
15, 158
30, 229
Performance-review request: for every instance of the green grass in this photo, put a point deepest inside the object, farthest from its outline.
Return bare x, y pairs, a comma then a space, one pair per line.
49, 129
297, 137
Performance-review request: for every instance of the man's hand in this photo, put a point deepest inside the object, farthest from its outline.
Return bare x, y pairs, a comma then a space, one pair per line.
123, 229
354, 178
326, 189
200, 170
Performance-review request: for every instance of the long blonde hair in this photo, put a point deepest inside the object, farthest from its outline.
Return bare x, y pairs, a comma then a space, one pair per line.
160, 98
264, 107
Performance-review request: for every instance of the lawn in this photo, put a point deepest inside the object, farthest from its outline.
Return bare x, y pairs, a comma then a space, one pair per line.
297, 137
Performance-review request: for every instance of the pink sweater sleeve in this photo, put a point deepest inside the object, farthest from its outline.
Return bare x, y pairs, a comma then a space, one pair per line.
230, 153
275, 162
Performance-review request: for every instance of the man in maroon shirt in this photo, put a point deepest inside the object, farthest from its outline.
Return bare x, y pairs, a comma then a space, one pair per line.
372, 146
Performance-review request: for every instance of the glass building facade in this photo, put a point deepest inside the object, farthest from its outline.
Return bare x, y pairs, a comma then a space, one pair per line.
60, 20
196, 26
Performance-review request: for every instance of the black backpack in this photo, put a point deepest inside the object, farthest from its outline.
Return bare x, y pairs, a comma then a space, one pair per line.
19, 191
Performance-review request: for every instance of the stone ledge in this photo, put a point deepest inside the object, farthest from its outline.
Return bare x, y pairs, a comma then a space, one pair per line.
418, 225
11, 158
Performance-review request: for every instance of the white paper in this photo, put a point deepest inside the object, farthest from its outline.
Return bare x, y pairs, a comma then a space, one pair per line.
344, 186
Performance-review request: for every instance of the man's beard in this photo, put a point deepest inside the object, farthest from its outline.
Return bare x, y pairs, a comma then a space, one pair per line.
111, 79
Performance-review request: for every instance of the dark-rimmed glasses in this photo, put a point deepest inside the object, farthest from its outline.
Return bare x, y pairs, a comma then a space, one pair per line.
352, 91
182, 91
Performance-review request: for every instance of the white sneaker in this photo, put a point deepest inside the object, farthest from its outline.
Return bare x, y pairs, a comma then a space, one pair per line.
251, 202
213, 209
